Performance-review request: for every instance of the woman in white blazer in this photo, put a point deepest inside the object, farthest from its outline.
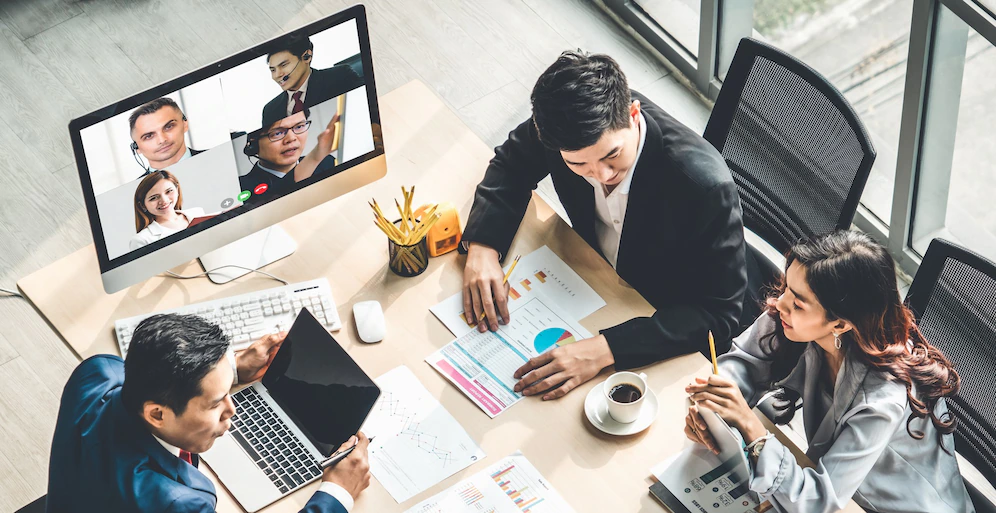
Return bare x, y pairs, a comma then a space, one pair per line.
837, 335
159, 209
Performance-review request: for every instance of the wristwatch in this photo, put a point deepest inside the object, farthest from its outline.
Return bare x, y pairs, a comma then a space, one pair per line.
754, 448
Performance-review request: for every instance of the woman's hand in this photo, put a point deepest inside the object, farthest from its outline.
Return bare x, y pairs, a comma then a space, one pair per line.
697, 431
723, 396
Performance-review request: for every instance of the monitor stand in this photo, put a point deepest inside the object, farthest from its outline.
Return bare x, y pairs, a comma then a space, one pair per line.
251, 252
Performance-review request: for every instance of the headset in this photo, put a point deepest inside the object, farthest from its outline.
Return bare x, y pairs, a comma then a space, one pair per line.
306, 57
134, 150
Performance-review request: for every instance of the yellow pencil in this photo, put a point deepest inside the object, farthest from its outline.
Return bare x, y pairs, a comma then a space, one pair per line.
712, 351
504, 281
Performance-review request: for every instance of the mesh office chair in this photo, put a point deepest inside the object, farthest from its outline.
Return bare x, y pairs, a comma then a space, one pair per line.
798, 153
953, 297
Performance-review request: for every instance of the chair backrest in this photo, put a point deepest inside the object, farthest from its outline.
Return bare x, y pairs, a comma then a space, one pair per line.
798, 153
954, 299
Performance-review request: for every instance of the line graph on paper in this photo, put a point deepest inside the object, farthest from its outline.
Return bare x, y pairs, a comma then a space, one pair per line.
393, 407
418, 442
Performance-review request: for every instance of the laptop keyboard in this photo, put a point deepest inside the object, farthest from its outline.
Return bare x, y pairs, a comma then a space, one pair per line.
265, 438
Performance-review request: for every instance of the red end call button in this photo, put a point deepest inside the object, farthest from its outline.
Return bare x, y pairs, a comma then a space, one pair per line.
260, 189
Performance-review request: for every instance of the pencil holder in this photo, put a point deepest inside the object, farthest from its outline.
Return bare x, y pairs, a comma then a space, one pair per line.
408, 261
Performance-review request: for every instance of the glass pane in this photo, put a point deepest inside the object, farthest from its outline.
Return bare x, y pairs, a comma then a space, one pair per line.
959, 206
680, 18
861, 47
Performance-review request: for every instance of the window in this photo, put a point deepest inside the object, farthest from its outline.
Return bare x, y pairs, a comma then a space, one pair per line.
957, 178
860, 47
680, 18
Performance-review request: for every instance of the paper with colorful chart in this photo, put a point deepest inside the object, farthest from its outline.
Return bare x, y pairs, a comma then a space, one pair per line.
513, 485
482, 364
418, 443
540, 273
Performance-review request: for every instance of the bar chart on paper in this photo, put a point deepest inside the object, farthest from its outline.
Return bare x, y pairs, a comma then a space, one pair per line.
512, 485
482, 365
539, 274
516, 487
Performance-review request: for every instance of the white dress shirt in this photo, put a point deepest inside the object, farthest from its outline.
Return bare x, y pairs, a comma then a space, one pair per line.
186, 155
332, 489
277, 174
304, 94
156, 231
610, 207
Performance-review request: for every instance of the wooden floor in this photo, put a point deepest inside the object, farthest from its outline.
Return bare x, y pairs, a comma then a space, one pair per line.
64, 58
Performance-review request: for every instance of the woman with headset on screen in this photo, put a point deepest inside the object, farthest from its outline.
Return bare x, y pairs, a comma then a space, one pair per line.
159, 209
837, 335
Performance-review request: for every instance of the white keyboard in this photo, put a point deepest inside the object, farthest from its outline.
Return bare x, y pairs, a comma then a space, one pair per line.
248, 317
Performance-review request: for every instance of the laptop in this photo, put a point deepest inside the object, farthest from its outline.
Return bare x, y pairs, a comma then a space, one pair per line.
311, 400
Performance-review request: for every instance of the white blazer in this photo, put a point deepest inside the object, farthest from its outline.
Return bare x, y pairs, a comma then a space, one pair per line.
156, 231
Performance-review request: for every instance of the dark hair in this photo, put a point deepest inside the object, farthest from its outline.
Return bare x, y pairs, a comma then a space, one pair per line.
143, 217
168, 357
150, 108
854, 279
296, 44
578, 98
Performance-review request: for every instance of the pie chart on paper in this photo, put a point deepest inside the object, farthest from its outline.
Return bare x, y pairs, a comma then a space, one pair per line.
552, 337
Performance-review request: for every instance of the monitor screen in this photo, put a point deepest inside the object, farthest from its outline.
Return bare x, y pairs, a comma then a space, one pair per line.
227, 139
319, 386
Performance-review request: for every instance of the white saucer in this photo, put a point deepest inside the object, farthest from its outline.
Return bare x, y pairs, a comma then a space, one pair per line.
597, 411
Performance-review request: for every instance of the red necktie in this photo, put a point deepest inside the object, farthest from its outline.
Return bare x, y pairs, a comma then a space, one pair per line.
185, 456
298, 104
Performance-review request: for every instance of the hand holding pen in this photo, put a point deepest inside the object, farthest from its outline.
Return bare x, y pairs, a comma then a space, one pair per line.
349, 467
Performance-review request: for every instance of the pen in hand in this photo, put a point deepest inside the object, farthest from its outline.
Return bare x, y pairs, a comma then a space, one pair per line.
341, 455
503, 282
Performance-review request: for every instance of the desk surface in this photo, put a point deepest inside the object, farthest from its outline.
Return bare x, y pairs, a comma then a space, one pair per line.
428, 146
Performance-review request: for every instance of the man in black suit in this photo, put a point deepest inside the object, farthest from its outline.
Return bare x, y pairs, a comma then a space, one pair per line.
653, 197
279, 147
304, 87
157, 132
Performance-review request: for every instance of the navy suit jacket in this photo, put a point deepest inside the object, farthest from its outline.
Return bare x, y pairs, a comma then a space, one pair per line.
323, 85
105, 459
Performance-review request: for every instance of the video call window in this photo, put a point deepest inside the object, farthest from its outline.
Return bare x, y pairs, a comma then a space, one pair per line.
230, 142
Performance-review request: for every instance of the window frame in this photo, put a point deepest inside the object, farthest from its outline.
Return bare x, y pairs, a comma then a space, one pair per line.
931, 96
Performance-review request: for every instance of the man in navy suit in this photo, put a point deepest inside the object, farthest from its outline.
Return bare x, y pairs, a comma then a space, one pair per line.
289, 59
128, 432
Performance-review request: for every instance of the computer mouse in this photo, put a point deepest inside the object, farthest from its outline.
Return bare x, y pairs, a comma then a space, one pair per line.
369, 319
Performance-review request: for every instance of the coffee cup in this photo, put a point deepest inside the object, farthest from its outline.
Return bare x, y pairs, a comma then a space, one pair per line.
624, 392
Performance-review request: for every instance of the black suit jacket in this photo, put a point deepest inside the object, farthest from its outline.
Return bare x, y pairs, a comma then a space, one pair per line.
682, 243
323, 85
274, 186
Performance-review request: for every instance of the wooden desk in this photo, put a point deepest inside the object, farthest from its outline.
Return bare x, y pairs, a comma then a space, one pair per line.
428, 146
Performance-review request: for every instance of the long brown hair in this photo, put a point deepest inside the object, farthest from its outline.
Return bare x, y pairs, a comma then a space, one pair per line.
854, 279
143, 217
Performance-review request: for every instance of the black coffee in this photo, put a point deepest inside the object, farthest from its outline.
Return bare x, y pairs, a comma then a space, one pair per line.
625, 393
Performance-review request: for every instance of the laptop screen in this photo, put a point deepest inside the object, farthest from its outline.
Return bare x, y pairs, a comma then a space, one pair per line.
319, 386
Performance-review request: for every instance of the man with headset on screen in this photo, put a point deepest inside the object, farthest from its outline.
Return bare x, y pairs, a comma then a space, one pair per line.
157, 132
278, 147
303, 87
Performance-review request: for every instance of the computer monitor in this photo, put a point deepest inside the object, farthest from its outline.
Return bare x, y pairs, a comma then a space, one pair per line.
203, 165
